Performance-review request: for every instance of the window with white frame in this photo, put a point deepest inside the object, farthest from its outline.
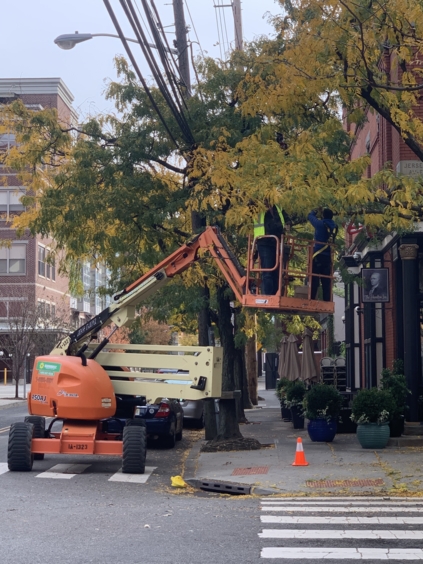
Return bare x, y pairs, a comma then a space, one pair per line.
46, 268
13, 260
10, 204
11, 307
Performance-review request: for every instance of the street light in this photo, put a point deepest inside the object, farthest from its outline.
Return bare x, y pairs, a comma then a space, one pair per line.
69, 40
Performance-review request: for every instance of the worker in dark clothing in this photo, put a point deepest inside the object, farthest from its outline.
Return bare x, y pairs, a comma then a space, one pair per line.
325, 232
270, 222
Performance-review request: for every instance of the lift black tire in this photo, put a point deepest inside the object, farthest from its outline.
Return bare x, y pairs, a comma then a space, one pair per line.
135, 423
19, 456
199, 423
178, 436
39, 430
134, 449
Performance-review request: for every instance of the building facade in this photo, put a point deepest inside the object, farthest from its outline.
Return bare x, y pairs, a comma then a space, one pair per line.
389, 325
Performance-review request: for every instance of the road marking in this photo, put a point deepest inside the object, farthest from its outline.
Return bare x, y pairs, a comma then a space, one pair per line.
5, 429
345, 504
3, 468
342, 520
133, 478
352, 509
343, 553
340, 534
360, 498
64, 471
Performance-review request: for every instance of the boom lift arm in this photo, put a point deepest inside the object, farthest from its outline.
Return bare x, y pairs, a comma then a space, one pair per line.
122, 312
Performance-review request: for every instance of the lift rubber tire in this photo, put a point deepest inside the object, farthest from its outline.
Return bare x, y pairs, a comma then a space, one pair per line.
135, 423
199, 423
39, 430
19, 455
134, 449
178, 436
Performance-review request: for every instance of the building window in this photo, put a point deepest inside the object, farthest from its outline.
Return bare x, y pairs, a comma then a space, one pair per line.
10, 204
13, 260
41, 261
45, 269
53, 310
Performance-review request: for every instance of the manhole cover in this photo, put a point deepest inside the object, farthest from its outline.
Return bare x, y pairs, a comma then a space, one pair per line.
252, 470
344, 483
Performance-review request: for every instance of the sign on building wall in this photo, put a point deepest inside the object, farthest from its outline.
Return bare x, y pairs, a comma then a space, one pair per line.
410, 168
375, 285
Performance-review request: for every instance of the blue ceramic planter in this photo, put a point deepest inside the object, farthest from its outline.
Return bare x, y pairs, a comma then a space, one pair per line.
321, 431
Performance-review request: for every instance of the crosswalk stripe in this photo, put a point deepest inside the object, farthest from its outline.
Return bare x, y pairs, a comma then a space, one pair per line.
297, 553
133, 478
338, 520
64, 471
353, 509
390, 534
346, 504
3, 468
304, 499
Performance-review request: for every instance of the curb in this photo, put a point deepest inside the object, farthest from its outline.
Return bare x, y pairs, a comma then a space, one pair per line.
229, 487
191, 460
15, 404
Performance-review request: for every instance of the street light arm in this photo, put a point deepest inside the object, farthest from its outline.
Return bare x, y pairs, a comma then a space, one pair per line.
69, 40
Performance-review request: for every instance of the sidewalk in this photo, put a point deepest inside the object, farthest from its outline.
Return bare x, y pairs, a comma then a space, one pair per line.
388, 470
7, 395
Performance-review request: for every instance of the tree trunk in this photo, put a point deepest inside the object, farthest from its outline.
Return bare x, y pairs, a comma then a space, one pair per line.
252, 370
228, 424
238, 380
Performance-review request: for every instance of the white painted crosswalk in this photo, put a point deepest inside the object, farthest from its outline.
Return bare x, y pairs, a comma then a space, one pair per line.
392, 532
69, 471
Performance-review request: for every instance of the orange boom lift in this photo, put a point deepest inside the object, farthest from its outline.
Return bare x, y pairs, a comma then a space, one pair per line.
83, 383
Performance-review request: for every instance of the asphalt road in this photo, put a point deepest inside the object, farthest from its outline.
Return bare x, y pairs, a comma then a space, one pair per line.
85, 517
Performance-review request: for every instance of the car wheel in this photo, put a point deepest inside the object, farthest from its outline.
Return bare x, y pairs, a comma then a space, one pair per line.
19, 455
134, 449
169, 441
39, 431
199, 423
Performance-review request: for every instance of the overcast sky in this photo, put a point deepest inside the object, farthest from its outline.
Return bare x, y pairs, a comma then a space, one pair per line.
29, 28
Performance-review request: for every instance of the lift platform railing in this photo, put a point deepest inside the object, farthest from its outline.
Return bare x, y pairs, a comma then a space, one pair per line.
289, 250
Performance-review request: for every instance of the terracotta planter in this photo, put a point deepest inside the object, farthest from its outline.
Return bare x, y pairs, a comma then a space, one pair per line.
321, 431
372, 435
297, 419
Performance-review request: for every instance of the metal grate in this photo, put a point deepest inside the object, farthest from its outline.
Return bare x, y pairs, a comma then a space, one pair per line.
344, 483
252, 470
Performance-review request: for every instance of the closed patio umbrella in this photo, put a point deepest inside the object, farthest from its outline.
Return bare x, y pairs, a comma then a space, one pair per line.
291, 367
282, 355
309, 371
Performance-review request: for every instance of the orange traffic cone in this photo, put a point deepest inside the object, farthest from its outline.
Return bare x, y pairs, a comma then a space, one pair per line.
299, 454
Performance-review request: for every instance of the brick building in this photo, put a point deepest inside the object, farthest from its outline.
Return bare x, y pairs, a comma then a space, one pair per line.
25, 271
378, 332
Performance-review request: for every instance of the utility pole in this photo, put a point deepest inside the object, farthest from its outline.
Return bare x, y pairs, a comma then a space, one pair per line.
236, 9
181, 44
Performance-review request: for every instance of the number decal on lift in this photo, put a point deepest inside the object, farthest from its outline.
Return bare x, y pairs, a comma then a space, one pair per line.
77, 447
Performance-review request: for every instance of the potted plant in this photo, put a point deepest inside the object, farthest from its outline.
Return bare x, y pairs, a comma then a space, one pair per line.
281, 387
394, 381
294, 400
322, 406
372, 410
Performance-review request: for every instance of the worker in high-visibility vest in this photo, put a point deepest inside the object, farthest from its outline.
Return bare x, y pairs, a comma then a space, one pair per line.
325, 232
273, 221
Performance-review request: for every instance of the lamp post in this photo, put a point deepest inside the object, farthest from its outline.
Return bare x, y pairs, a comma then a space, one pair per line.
69, 40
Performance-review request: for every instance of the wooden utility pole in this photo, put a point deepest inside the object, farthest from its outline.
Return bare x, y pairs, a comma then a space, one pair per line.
236, 9
181, 44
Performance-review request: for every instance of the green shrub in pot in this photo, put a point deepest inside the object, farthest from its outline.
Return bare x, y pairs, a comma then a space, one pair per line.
295, 393
393, 380
323, 402
372, 410
281, 387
